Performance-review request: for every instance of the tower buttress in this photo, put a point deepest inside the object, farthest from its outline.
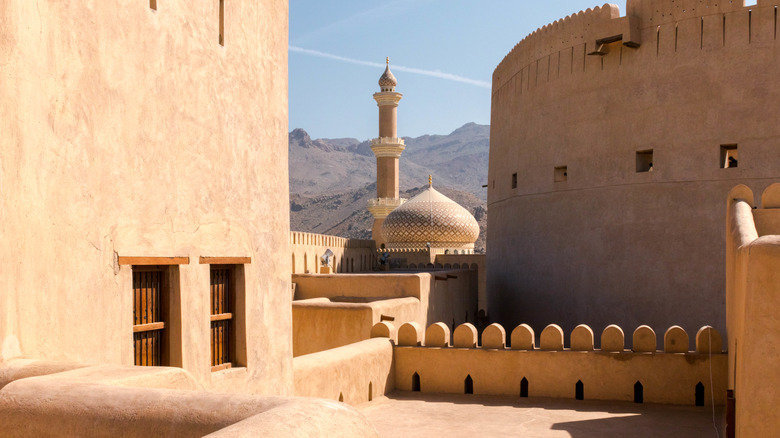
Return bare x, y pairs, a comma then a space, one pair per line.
387, 148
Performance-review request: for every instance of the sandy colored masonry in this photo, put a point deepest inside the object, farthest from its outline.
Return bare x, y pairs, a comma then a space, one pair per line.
594, 96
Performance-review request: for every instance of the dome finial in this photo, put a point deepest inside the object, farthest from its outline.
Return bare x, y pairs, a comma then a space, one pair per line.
430, 180
387, 82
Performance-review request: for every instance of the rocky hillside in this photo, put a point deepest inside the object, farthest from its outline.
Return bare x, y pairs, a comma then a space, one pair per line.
331, 180
457, 161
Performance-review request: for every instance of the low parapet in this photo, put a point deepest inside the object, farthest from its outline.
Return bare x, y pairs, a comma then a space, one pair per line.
458, 364
676, 340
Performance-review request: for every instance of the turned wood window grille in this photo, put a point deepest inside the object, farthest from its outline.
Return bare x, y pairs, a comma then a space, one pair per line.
148, 321
222, 299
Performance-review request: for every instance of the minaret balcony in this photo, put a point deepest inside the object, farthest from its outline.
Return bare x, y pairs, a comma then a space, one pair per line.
381, 207
388, 146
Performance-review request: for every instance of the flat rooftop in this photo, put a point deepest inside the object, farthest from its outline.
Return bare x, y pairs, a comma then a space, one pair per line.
414, 414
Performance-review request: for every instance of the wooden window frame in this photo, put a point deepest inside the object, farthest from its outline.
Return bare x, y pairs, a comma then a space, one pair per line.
169, 323
224, 320
144, 329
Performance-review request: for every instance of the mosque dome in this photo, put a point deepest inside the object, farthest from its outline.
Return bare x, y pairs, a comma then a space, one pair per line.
387, 82
430, 217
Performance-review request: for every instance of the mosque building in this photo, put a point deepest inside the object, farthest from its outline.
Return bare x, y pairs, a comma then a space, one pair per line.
418, 230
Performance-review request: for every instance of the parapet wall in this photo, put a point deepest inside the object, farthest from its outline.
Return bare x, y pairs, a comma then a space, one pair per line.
350, 255
581, 34
753, 282
330, 311
435, 361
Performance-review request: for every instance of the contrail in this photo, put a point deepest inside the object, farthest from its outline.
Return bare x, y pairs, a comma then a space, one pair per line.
419, 71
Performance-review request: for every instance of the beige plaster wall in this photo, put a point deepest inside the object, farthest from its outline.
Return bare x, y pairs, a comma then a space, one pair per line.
115, 400
330, 311
321, 324
358, 372
610, 245
132, 132
472, 261
350, 255
753, 282
552, 371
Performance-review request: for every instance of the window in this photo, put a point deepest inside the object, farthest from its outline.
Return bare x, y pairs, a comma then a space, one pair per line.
729, 156
156, 298
221, 22
222, 299
644, 161
561, 174
228, 311
514, 180
148, 315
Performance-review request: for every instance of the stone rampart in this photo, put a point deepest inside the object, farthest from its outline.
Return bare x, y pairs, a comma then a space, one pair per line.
350, 255
613, 142
643, 374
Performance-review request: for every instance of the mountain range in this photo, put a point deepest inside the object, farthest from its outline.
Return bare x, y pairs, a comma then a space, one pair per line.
331, 180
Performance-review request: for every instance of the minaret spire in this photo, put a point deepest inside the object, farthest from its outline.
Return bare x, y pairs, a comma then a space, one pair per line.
387, 148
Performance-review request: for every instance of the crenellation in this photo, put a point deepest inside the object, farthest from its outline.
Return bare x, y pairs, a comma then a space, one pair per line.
465, 336
612, 339
676, 340
664, 377
410, 334
551, 338
661, 26
644, 340
708, 340
523, 338
437, 335
494, 337
581, 338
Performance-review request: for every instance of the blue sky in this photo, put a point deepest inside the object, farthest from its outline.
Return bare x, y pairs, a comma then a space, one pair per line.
443, 53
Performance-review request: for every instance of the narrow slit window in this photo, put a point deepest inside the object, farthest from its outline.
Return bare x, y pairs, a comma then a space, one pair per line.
699, 394
644, 161
729, 156
221, 22
468, 385
561, 174
514, 180
639, 396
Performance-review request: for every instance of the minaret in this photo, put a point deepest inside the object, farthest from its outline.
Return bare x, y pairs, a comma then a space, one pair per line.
387, 148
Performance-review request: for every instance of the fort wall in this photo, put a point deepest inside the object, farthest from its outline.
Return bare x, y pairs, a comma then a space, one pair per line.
350, 255
619, 130
456, 364
354, 374
753, 258
127, 401
134, 135
331, 311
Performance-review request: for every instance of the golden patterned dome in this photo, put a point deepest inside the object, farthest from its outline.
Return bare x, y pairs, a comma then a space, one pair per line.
430, 217
387, 82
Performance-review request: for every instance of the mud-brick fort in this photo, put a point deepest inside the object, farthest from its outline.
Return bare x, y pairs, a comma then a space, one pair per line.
613, 142
151, 286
